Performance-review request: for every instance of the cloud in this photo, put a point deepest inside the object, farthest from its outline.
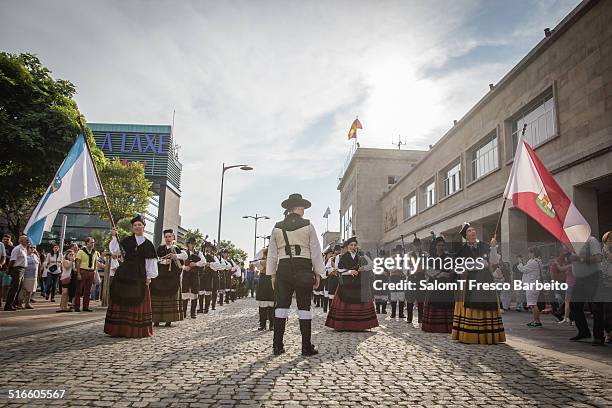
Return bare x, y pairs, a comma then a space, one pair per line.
275, 84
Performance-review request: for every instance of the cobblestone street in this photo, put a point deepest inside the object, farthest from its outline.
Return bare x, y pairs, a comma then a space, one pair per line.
222, 360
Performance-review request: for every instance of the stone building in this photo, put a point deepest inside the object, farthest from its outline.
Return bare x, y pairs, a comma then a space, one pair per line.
562, 90
370, 173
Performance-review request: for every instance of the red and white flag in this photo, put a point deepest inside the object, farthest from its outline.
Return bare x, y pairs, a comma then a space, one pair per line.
534, 190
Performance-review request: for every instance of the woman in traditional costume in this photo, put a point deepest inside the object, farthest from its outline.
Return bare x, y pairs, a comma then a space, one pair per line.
129, 310
439, 303
166, 288
348, 310
477, 318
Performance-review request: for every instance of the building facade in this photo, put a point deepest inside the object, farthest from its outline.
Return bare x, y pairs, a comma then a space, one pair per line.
153, 147
370, 173
562, 91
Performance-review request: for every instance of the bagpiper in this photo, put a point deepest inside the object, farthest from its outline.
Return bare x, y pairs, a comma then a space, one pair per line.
192, 272
166, 288
265, 292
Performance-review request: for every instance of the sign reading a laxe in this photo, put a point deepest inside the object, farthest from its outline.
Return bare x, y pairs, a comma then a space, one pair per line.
135, 143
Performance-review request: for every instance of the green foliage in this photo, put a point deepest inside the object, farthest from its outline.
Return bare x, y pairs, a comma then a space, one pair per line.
199, 237
126, 188
234, 252
38, 125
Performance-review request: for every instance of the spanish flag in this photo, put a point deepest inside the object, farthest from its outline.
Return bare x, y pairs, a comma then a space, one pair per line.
352, 134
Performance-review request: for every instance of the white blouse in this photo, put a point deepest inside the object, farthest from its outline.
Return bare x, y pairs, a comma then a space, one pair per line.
150, 263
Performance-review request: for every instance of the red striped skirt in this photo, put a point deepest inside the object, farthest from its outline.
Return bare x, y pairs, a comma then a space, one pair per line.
437, 317
351, 316
130, 321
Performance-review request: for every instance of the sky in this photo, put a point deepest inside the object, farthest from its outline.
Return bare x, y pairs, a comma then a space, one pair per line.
276, 84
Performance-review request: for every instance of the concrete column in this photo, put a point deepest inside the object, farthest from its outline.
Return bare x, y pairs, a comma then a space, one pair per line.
514, 234
585, 200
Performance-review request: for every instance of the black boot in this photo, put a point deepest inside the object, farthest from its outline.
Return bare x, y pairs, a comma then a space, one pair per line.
325, 304
409, 309
206, 303
201, 301
271, 317
227, 297
263, 315
194, 304
378, 307
401, 310
279, 331
221, 299
393, 309
384, 307
308, 349
213, 299
185, 302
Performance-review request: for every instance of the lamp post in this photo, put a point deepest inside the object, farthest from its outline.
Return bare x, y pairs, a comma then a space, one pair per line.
225, 168
264, 237
256, 218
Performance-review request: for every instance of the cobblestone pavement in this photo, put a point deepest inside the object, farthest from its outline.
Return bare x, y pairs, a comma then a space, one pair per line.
222, 360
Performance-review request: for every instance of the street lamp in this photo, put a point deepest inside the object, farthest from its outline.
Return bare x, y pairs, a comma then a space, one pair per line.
256, 218
264, 237
225, 168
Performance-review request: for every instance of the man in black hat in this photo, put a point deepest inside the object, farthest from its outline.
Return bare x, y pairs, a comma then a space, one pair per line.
296, 265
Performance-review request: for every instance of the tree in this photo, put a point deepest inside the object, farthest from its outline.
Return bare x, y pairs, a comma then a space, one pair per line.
199, 237
233, 251
126, 188
38, 125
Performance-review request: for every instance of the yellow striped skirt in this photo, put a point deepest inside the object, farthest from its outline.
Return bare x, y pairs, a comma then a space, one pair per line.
476, 326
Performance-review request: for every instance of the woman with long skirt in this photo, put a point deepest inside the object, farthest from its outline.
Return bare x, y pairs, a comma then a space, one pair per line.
348, 310
477, 318
129, 310
439, 303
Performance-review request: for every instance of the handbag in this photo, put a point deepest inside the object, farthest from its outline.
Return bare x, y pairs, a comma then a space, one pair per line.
96, 278
304, 280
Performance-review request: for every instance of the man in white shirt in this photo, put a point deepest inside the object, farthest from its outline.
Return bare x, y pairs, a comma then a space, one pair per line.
296, 265
17, 265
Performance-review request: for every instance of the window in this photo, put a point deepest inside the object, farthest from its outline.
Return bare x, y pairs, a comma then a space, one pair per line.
452, 180
485, 159
430, 194
410, 206
540, 120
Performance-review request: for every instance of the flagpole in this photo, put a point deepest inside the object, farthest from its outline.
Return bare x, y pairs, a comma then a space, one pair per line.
504, 195
110, 214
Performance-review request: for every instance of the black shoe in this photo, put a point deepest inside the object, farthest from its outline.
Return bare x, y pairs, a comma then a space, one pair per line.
278, 351
193, 315
597, 342
260, 328
9, 309
76, 309
52, 300
168, 324
581, 336
87, 310
310, 351
156, 324
201, 311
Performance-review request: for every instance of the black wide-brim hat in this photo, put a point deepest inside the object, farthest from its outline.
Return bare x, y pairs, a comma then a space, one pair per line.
464, 229
138, 218
295, 200
350, 240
